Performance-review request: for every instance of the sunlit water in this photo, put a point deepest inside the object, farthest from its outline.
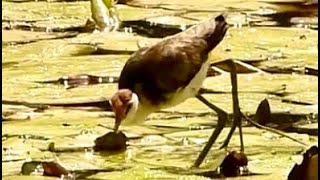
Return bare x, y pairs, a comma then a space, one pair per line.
152, 149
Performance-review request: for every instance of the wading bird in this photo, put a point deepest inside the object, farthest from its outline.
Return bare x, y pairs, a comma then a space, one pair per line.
168, 73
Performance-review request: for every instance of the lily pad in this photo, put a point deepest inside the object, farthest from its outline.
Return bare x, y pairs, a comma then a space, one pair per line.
23, 37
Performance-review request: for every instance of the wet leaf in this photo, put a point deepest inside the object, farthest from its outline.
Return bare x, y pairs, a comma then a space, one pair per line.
240, 67
13, 37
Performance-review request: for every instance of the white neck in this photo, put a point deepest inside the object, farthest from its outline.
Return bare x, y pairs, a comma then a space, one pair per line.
137, 113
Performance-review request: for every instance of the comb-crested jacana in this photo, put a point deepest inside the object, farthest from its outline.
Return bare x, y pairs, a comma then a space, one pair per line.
168, 73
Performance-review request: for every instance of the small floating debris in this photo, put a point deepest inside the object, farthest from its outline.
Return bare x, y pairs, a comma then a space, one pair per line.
233, 165
230, 167
111, 142
46, 168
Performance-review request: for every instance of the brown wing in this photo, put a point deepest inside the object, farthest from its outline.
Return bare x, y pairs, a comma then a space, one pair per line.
162, 69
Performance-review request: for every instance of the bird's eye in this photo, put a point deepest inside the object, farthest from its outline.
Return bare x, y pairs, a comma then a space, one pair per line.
129, 107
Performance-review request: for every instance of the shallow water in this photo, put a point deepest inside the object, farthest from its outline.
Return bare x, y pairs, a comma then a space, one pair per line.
168, 143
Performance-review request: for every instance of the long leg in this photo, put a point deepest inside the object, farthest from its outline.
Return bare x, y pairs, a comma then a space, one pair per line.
236, 110
222, 119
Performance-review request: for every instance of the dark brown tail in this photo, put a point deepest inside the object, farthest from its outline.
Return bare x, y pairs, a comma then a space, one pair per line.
212, 31
218, 33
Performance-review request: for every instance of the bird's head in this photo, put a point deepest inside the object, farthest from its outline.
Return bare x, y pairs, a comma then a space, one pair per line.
124, 105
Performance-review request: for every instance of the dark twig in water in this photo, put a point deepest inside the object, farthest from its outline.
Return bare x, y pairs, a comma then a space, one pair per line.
296, 102
277, 92
271, 129
311, 71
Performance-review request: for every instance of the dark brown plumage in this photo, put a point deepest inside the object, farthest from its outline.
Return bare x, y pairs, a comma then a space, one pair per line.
182, 55
170, 71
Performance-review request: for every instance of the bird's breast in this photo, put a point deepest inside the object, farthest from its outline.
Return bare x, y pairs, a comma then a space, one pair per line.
145, 107
191, 90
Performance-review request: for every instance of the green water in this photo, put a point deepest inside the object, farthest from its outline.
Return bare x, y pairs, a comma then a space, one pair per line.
154, 152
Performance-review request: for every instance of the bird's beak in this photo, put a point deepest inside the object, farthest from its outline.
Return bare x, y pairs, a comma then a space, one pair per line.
117, 124
119, 116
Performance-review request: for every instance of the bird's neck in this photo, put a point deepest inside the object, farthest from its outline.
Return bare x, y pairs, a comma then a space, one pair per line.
139, 117
139, 111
